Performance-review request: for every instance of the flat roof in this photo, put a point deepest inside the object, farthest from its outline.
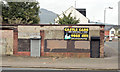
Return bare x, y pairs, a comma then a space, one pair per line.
53, 24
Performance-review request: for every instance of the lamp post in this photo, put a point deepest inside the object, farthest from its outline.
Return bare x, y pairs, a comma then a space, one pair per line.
105, 12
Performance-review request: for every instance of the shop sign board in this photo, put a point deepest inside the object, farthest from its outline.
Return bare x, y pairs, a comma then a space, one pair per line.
76, 33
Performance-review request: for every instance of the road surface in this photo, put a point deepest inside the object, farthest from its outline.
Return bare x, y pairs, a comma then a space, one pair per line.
50, 70
111, 49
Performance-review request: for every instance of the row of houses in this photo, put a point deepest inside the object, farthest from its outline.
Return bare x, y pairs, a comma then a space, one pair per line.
112, 32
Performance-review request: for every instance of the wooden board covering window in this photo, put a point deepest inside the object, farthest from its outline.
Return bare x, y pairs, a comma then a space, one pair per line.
56, 44
82, 44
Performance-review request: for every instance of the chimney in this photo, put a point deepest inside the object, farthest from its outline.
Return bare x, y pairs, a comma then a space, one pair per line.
82, 11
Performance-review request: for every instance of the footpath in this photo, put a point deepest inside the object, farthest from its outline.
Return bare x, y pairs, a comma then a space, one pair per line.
60, 63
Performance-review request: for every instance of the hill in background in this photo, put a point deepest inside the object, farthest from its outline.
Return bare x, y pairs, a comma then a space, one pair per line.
47, 17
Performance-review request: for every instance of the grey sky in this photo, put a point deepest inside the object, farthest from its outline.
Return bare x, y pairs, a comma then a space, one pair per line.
95, 8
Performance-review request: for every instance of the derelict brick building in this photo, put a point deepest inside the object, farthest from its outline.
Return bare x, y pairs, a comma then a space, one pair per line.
49, 40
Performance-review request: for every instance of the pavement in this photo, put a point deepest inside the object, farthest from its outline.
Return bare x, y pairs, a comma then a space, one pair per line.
110, 62
51, 70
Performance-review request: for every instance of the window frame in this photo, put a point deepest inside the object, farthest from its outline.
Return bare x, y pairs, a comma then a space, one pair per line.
112, 32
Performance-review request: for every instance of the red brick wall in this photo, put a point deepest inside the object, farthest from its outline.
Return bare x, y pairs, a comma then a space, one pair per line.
15, 41
23, 54
15, 45
67, 54
101, 43
42, 42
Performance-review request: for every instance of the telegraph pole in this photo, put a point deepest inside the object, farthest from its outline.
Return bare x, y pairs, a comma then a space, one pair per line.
75, 4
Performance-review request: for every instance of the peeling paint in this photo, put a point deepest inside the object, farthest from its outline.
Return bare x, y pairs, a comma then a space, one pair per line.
7, 42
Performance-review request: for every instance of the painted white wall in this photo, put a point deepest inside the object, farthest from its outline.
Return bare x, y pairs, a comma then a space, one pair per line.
110, 35
117, 31
76, 14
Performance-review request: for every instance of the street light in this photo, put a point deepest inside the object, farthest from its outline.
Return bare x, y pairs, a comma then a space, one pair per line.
105, 12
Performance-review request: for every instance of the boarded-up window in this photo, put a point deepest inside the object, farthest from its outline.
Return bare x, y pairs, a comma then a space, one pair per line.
23, 44
82, 44
56, 44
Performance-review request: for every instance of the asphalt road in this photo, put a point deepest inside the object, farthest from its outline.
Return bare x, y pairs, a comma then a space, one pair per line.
50, 70
111, 48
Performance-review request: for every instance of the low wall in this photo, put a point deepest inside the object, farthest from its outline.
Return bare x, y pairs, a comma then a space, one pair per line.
67, 54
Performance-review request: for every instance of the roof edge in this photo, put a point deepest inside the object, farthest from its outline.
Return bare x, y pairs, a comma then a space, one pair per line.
52, 25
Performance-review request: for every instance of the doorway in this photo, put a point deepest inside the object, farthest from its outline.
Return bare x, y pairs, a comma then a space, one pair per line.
35, 47
95, 47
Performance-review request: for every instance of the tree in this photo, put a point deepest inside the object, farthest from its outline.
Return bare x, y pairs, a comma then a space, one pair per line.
20, 13
67, 19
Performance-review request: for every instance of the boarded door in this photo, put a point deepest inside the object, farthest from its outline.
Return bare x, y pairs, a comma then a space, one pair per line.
35, 47
95, 47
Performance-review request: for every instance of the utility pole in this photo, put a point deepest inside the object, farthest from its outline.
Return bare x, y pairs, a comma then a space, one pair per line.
105, 13
75, 4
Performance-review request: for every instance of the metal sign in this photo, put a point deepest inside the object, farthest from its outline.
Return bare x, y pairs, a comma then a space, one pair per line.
76, 33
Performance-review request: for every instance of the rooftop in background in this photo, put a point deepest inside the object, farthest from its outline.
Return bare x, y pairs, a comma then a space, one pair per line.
101, 23
108, 27
82, 11
86, 24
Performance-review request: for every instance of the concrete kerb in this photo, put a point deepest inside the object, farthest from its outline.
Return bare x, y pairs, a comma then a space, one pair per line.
58, 68
0, 63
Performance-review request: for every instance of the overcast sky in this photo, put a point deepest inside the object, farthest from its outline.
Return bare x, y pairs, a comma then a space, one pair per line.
94, 8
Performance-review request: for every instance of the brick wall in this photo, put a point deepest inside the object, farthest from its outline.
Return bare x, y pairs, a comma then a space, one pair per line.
15, 46
54, 37
101, 43
42, 42
67, 54
49, 32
